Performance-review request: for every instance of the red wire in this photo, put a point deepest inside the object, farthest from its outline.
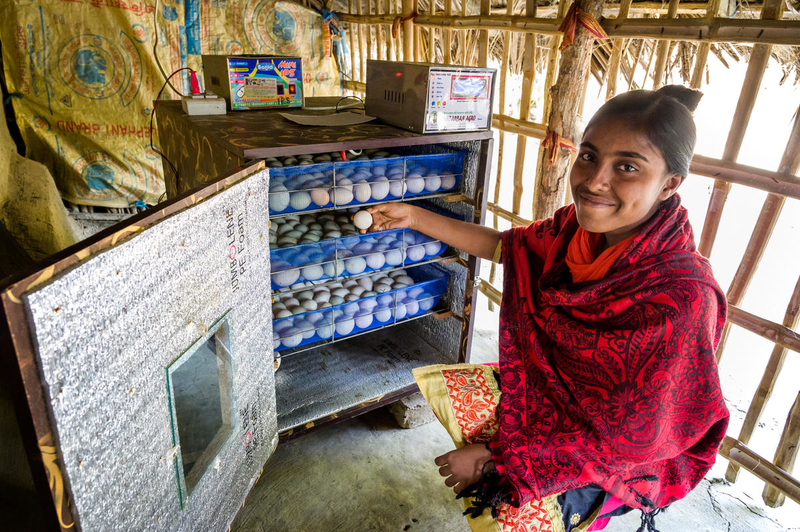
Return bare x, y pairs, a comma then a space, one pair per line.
153, 114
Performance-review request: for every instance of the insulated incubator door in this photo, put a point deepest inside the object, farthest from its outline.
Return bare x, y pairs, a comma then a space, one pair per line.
146, 358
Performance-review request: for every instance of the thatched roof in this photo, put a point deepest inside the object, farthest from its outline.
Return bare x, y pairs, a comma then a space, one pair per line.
465, 42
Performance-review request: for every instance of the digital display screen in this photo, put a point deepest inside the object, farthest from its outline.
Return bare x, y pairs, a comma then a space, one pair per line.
470, 88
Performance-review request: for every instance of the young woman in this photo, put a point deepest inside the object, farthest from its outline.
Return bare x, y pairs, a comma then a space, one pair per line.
608, 327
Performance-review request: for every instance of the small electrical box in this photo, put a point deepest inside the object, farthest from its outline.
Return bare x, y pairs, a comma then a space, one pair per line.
249, 82
429, 98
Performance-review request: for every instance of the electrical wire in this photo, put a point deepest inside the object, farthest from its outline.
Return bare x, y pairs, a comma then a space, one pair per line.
153, 114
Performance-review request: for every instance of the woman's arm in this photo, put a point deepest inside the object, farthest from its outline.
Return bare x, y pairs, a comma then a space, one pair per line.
474, 239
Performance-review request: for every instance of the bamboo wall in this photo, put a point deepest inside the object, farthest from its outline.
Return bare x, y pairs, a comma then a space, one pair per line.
641, 35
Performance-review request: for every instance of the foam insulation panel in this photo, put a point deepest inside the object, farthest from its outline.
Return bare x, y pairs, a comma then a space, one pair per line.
107, 330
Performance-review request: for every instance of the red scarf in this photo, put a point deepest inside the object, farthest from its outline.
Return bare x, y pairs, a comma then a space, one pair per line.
610, 382
582, 259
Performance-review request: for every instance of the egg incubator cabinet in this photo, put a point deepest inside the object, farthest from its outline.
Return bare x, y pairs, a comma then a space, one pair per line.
158, 339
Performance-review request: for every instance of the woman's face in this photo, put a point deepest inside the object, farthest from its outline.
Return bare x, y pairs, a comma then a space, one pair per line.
618, 180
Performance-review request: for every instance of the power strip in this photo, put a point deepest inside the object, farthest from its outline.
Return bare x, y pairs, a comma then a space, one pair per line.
203, 104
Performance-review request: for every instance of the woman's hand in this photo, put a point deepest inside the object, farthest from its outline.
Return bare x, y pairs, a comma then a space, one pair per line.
392, 216
463, 467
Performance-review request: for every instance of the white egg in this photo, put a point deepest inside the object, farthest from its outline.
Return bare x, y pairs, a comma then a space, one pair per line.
448, 181
369, 293
362, 220
394, 257
400, 311
397, 273
376, 261
350, 283
355, 265
397, 188
433, 248
340, 292
278, 199
351, 308
366, 282
412, 307
306, 327
299, 309
291, 302
281, 326
333, 268
322, 297
405, 280
433, 183
426, 301
345, 326
325, 331
291, 337
415, 183
363, 320
309, 304
381, 288
362, 192
286, 277
357, 290
315, 317
380, 188
304, 295
386, 300
285, 313
415, 292
320, 197
415, 253
336, 300
368, 305
300, 200
342, 195
312, 273
383, 315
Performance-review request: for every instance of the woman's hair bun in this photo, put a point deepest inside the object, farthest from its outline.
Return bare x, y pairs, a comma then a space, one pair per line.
688, 97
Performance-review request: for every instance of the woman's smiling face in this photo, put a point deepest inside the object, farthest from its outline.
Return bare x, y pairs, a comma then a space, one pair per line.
618, 180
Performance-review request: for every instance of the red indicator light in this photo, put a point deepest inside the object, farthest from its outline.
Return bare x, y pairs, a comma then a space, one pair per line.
398, 74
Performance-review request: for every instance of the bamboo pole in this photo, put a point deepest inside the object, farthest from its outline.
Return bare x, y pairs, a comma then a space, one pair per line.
770, 211
383, 49
515, 219
408, 31
663, 51
355, 86
743, 31
759, 59
563, 118
617, 46
483, 37
417, 33
636, 63
764, 328
785, 458
448, 34
501, 134
767, 384
432, 35
701, 57
773, 182
528, 73
463, 33
760, 467
362, 45
353, 28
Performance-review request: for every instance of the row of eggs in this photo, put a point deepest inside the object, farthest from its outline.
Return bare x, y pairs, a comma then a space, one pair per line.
293, 229
306, 159
314, 190
356, 304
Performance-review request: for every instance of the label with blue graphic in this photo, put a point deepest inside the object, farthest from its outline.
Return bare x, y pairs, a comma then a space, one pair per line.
265, 82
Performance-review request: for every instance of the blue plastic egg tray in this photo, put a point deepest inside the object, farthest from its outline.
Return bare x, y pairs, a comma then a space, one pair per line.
348, 256
363, 181
352, 317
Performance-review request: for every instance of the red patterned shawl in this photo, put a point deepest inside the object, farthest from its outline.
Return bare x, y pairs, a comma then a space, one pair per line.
610, 382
